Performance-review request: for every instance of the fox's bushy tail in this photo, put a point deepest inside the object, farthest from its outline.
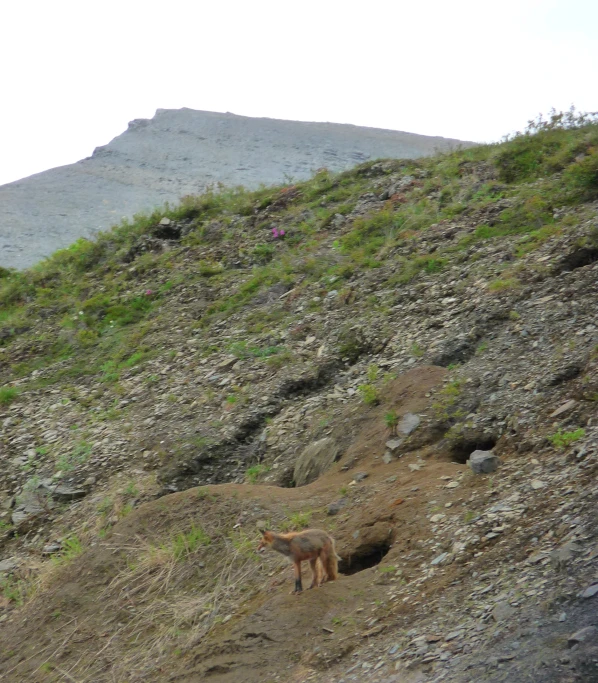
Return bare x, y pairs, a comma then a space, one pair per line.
332, 559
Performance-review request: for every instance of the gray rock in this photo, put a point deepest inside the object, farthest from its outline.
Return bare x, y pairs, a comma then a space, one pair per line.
360, 476
483, 462
64, 493
387, 458
502, 611
584, 635
534, 558
409, 423
20, 517
8, 503
336, 507
315, 460
440, 559
566, 407
8, 565
394, 444
51, 548
589, 592
563, 555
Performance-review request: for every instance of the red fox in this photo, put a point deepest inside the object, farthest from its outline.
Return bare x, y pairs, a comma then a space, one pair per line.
310, 544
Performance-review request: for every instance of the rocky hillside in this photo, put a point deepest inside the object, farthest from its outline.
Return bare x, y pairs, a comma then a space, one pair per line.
180, 152
327, 353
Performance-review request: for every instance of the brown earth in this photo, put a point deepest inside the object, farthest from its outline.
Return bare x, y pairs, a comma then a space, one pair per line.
274, 630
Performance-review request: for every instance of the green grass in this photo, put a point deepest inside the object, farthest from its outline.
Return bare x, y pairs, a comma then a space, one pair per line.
99, 317
369, 394
72, 547
417, 350
391, 420
188, 542
14, 589
501, 285
296, 521
547, 146
562, 440
78, 456
8, 395
253, 473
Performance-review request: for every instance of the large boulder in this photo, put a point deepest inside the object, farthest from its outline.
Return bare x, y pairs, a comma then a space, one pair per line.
483, 462
315, 460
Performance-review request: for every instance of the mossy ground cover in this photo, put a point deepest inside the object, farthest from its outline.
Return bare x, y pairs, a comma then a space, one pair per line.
91, 308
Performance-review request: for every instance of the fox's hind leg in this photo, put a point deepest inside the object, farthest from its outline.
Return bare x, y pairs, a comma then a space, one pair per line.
314, 573
323, 562
297, 572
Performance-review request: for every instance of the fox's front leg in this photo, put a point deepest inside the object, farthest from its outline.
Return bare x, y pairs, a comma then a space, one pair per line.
314, 573
297, 572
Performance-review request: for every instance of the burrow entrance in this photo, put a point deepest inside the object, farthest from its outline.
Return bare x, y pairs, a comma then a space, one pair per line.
578, 259
461, 450
363, 558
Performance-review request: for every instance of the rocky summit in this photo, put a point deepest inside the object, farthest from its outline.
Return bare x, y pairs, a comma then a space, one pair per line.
404, 354
180, 152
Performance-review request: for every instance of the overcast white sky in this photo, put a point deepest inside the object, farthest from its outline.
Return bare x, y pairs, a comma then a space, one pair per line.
75, 72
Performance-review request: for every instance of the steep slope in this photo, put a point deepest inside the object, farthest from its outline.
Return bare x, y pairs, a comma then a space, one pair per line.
328, 353
180, 152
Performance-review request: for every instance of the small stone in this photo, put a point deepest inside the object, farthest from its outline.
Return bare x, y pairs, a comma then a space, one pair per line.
433, 638
336, 507
537, 484
589, 592
51, 548
502, 611
452, 485
439, 560
165, 221
409, 422
387, 458
534, 558
483, 462
584, 635
436, 518
394, 444
65, 493
8, 565
563, 616
563, 408
562, 556
360, 476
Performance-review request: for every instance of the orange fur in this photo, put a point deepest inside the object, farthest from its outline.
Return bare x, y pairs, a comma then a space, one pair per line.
311, 545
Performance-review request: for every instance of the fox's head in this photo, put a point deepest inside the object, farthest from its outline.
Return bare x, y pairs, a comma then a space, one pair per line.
266, 542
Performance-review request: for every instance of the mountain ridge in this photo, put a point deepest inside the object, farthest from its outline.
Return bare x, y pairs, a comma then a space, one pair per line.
176, 153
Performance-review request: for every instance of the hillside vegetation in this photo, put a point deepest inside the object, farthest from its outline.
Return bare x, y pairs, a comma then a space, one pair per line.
245, 359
